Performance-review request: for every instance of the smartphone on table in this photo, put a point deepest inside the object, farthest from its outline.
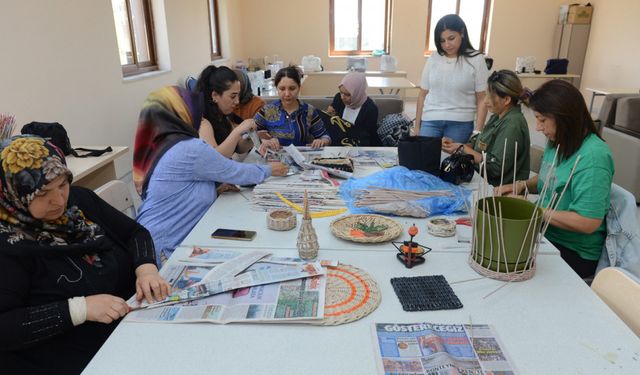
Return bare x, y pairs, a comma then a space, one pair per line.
234, 234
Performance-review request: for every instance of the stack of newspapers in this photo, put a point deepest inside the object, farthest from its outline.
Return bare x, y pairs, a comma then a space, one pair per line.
221, 286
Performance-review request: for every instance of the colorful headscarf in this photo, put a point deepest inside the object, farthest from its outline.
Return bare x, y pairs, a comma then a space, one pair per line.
356, 84
29, 163
168, 116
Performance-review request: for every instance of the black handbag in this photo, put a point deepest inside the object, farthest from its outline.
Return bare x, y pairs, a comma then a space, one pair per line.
420, 153
556, 66
57, 134
458, 167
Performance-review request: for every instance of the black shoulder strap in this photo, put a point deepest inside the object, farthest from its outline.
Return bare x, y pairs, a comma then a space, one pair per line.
89, 152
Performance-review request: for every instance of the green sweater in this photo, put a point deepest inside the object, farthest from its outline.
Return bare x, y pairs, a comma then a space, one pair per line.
512, 127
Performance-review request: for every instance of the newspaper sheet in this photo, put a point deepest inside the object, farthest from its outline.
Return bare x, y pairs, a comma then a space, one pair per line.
383, 159
297, 300
256, 274
439, 349
204, 255
299, 159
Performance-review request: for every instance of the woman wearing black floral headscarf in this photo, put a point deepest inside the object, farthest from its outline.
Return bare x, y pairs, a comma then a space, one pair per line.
68, 261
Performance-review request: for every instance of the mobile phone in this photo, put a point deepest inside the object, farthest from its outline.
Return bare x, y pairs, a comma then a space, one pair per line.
234, 234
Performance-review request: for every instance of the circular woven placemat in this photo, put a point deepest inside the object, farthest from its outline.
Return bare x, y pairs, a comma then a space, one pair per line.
351, 295
342, 227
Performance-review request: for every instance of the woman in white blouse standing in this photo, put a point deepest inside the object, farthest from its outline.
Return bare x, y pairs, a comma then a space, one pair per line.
453, 85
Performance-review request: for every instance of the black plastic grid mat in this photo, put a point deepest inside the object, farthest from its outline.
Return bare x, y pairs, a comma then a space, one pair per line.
425, 293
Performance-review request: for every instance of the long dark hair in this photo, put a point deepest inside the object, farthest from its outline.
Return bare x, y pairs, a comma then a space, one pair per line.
218, 80
289, 72
453, 22
563, 102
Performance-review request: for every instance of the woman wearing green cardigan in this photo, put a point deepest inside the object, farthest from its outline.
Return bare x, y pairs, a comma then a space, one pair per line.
504, 92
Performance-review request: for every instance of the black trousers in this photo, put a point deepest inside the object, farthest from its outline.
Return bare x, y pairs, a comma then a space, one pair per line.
583, 267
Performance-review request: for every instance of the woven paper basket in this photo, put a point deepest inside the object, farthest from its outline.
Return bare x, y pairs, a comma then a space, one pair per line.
281, 219
344, 227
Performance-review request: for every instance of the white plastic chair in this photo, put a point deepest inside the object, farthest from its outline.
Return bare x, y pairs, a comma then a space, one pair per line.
621, 293
117, 194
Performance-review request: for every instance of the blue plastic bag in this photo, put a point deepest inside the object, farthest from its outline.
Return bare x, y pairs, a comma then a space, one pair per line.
405, 179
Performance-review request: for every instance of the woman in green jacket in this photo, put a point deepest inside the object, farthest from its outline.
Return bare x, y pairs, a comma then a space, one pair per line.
504, 92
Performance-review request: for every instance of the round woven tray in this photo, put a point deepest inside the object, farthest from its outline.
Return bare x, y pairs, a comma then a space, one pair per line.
347, 228
351, 294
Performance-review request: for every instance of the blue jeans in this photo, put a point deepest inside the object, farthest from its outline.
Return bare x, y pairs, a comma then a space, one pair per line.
459, 131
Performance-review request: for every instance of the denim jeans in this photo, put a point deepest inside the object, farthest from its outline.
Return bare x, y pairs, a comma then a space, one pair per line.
459, 131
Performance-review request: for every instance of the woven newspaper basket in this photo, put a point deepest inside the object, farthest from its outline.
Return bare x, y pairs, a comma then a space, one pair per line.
505, 238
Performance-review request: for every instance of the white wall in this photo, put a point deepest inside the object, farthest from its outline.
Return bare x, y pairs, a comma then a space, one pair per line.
60, 63
613, 55
60, 60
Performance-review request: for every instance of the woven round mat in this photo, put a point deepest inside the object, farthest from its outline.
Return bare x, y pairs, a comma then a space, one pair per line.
351, 295
343, 227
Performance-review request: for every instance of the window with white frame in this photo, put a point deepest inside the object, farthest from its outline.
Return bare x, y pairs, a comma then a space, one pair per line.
474, 13
359, 27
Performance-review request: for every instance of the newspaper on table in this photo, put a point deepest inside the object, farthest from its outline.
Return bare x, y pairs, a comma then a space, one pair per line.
230, 276
207, 255
299, 159
380, 158
439, 349
299, 300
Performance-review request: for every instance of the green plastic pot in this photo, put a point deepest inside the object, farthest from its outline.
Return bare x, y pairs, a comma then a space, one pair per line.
516, 218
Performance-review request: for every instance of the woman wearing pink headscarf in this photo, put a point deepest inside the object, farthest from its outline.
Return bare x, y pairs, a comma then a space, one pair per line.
353, 105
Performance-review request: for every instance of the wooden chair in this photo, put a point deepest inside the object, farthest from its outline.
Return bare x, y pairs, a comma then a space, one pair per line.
621, 293
117, 194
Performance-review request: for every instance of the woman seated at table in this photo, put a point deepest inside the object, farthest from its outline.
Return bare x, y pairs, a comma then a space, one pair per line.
353, 105
289, 120
504, 92
68, 261
577, 228
248, 104
176, 173
221, 89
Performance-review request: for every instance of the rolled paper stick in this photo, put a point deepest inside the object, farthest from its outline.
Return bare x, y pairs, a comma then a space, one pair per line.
515, 166
504, 154
497, 289
495, 217
504, 251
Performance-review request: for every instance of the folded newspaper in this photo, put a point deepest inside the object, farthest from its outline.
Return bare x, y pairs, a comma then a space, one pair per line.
299, 300
241, 271
439, 349
207, 255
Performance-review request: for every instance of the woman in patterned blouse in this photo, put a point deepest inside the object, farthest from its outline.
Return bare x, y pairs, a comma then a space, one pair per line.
289, 120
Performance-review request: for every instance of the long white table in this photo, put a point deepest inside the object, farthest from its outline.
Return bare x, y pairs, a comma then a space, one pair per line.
551, 324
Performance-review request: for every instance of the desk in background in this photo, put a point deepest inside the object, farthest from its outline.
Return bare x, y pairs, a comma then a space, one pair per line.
533, 81
326, 82
606, 91
93, 172
391, 84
